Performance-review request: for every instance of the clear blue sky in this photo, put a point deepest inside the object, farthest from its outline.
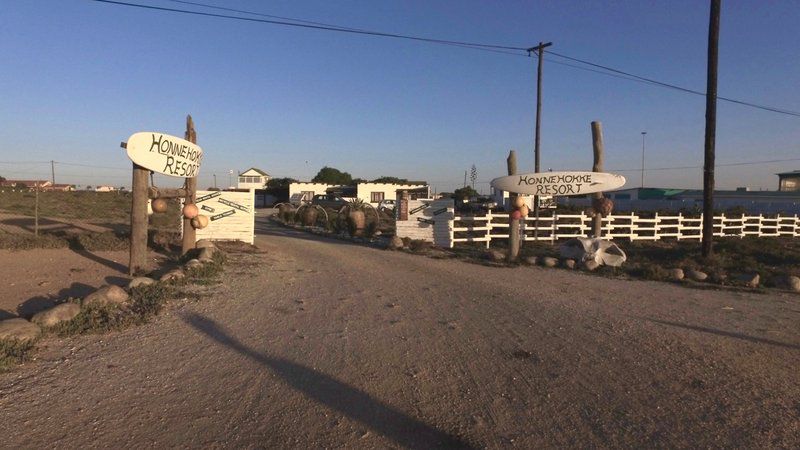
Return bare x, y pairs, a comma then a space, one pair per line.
78, 77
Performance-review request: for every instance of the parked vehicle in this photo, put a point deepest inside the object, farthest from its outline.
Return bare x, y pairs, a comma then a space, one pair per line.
476, 204
330, 201
386, 205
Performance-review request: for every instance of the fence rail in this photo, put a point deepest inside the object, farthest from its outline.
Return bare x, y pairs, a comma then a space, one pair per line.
619, 226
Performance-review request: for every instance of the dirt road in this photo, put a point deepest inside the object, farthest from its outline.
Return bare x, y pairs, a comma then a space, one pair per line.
319, 343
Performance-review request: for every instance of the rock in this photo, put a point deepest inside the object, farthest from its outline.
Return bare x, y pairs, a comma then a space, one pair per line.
207, 254
590, 265
172, 275
530, 260
549, 261
749, 279
718, 277
789, 282
395, 243
205, 243
193, 263
140, 281
495, 255
19, 329
696, 275
569, 263
676, 274
107, 295
56, 315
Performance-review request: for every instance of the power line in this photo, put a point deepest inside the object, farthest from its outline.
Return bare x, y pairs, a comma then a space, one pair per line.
503, 49
747, 163
676, 87
311, 26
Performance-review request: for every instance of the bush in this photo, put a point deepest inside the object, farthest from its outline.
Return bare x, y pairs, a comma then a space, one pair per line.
14, 352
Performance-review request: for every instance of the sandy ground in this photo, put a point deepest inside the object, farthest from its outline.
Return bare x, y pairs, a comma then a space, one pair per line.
319, 343
37, 279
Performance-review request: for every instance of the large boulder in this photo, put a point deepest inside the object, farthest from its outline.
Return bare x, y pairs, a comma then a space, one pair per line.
601, 251
207, 254
192, 263
696, 275
140, 281
395, 243
676, 274
173, 275
494, 255
749, 279
107, 295
203, 243
789, 282
19, 329
549, 261
53, 316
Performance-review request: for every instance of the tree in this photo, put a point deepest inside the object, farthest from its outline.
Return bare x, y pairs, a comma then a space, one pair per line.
2, 178
391, 180
330, 175
473, 175
20, 185
465, 192
280, 183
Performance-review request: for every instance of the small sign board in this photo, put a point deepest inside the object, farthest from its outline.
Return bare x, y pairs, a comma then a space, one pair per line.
231, 215
165, 154
559, 183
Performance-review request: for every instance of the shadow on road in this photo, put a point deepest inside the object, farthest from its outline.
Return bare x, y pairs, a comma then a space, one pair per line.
352, 402
731, 334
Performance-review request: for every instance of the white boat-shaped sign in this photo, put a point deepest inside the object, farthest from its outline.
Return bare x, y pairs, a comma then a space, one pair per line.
165, 154
559, 183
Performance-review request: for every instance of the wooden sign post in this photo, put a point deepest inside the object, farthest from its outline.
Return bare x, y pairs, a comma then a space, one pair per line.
513, 225
167, 155
597, 148
189, 237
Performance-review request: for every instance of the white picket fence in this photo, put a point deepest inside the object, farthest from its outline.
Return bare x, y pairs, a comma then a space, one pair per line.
629, 226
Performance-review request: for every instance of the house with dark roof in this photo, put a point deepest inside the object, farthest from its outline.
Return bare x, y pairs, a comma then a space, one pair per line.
253, 178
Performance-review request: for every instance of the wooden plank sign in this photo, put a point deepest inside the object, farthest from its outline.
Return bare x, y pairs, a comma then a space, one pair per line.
165, 154
559, 183
231, 215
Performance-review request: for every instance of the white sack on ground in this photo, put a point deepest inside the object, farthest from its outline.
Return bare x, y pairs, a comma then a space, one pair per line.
601, 251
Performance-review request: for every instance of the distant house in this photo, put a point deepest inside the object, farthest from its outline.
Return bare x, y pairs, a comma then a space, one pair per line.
789, 181
104, 188
25, 184
372, 193
59, 187
253, 178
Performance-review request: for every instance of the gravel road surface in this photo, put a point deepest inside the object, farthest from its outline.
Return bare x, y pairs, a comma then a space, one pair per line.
320, 343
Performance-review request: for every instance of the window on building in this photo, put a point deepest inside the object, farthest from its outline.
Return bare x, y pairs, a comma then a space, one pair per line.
242, 179
376, 197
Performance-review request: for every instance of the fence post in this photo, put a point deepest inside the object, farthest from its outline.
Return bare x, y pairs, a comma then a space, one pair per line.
656, 228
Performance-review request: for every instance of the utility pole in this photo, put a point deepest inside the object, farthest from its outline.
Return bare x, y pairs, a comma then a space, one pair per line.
539, 49
53, 171
643, 135
465, 178
215, 181
711, 130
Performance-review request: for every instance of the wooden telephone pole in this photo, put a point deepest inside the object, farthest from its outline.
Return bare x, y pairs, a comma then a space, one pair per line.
539, 49
711, 130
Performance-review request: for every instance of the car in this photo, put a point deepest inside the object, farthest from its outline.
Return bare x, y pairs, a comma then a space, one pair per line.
330, 201
386, 205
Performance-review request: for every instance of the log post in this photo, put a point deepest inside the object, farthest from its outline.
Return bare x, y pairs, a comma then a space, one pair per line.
138, 246
513, 225
597, 147
189, 234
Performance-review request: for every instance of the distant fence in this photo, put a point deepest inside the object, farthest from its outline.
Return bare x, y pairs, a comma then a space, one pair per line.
630, 226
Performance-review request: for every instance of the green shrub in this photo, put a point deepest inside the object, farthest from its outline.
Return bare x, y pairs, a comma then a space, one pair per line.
13, 352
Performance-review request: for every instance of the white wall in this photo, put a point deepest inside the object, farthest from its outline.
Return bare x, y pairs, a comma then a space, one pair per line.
364, 190
316, 188
440, 212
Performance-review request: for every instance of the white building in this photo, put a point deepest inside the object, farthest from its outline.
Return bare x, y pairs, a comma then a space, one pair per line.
253, 178
104, 188
372, 193
304, 191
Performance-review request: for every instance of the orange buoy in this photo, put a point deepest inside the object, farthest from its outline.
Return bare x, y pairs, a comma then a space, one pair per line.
159, 205
190, 211
200, 222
